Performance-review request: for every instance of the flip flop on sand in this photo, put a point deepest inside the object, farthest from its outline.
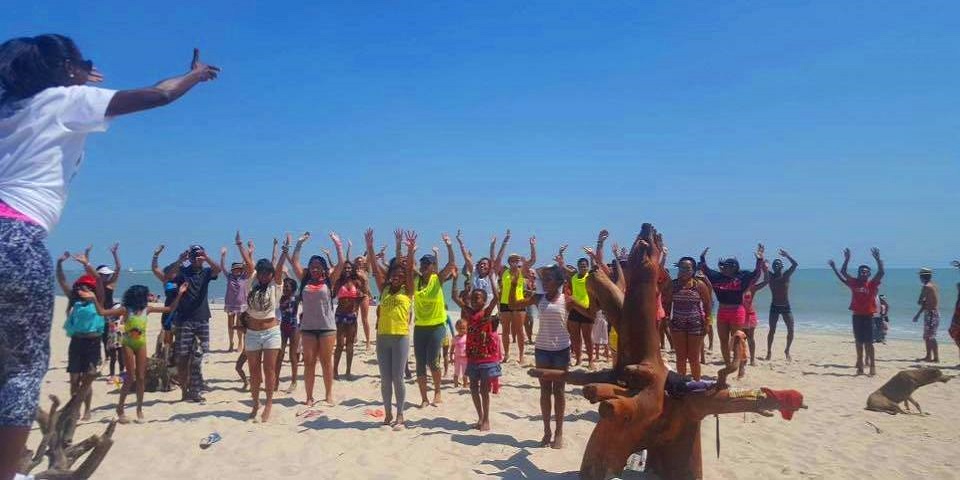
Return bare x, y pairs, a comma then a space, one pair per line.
374, 413
309, 412
210, 440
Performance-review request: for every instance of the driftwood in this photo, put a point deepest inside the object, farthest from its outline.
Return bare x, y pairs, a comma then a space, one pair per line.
900, 388
57, 427
635, 412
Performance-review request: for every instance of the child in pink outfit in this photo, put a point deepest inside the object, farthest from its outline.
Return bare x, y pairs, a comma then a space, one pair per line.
460, 354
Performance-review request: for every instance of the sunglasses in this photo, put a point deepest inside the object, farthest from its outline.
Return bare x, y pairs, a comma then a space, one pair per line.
84, 64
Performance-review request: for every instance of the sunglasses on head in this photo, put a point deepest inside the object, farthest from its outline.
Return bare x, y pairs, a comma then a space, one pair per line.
83, 64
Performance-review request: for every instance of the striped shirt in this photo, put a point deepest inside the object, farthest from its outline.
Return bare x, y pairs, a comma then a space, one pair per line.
552, 334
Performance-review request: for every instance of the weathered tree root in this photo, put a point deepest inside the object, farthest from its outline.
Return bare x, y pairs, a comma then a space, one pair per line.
57, 427
635, 412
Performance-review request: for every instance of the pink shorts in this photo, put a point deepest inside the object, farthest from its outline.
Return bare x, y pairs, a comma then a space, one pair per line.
732, 315
751, 321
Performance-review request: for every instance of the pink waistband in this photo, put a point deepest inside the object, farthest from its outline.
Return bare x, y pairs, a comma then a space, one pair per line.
6, 211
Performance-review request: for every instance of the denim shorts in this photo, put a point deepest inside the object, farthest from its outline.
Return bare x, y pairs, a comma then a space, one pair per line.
556, 359
483, 371
256, 340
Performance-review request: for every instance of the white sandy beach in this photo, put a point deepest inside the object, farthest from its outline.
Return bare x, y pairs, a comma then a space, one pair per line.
830, 440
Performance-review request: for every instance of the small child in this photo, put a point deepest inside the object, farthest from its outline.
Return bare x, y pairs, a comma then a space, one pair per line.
460, 354
483, 351
741, 355
601, 337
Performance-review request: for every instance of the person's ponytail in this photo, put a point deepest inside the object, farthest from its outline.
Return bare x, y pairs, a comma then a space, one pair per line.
29, 65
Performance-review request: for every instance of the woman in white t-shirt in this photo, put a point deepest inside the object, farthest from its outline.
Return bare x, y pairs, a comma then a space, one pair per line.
263, 339
46, 113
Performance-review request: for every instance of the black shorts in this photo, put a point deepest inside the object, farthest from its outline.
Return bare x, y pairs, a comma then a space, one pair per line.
83, 355
576, 316
781, 309
505, 307
863, 328
319, 333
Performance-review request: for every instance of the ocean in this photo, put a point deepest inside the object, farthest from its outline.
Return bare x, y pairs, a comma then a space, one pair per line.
818, 299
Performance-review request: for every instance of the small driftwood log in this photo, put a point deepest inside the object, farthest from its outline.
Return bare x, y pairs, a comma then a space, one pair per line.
635, 412
900, 388
57, 427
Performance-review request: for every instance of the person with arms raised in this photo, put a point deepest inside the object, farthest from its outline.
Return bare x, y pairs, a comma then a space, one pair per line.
863, 304
46, 112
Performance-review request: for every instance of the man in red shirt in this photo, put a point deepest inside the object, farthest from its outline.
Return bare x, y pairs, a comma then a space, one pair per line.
863, 304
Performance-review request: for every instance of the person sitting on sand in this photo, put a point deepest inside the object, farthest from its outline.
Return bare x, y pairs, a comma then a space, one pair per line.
863, 304
552, 346
133, 311
482, 351
780, 301
929, 307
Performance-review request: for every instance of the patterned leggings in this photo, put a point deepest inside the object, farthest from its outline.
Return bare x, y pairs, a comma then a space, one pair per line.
193, 340
26, 312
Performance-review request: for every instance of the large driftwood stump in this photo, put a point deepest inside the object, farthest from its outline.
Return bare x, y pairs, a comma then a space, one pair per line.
57, 427
635, 412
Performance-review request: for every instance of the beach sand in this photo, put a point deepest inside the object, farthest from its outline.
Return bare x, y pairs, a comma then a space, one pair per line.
833, 439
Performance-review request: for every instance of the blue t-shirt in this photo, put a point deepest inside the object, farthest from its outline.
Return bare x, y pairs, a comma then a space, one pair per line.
193, 305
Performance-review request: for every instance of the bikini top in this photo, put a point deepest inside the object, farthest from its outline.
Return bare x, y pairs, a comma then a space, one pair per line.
348, 292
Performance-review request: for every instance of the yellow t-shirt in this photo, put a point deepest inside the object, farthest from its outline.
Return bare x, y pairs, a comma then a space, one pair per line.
429, 307
505, 280
394, 313
578, 287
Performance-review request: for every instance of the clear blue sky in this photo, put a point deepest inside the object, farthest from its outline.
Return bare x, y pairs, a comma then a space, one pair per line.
807, 125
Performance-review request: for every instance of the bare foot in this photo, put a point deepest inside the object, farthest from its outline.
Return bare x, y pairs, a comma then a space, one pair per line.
140, 417
266, 413
253, 413
873, 372
767, 357
122, 419
424, 404
557, 441
310, 402
788, 356
85, 417
293, 388
388, 419
546, 440
485, 426
436, 399
329, 402
399, 425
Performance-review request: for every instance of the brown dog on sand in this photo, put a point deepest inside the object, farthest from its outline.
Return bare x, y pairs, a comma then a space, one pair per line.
900, 388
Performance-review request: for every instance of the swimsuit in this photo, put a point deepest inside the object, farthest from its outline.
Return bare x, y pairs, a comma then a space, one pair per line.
931, 321
687, 310
135, 332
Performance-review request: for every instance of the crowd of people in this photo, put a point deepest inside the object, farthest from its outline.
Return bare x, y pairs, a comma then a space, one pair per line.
280, 311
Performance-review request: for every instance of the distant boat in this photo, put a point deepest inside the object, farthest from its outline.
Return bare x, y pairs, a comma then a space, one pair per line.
130, 269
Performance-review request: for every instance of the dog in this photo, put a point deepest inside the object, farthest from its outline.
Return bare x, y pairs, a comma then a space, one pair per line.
900, 388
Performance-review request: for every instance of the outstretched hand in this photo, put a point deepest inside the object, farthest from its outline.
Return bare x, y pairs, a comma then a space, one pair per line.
64, 257
410, 237
303, 238
846, 254
876, 253
368, 238
206, 72
759, 252
157, 251
114, 248
831, 263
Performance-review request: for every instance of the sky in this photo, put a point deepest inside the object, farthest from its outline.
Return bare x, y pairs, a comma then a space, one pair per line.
811, 126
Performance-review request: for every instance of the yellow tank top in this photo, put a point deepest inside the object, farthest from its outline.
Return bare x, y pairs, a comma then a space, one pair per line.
394, 312
578, 287
429, 307
505, 280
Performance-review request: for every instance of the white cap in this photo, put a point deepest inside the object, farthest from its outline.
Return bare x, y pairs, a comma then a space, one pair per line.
105, 270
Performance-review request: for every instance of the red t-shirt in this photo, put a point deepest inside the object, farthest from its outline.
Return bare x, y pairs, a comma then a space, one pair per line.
864, 300
481, 340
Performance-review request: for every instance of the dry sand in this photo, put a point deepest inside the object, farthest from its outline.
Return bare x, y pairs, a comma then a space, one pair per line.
833, 439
